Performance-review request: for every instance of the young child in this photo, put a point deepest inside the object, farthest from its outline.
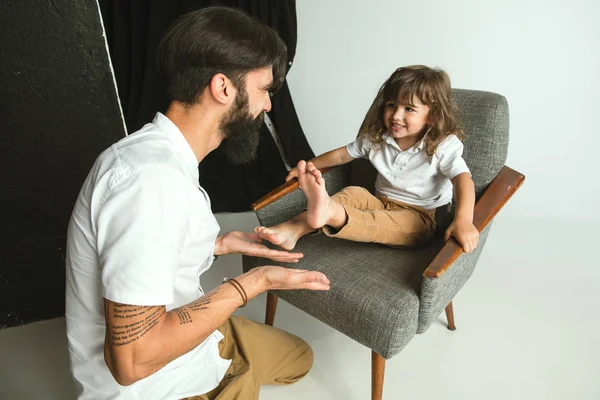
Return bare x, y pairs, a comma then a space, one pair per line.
412, 136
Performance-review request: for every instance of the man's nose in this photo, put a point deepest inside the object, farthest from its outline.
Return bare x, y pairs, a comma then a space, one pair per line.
268, 104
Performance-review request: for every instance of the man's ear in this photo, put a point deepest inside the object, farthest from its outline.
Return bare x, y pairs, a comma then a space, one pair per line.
222, 89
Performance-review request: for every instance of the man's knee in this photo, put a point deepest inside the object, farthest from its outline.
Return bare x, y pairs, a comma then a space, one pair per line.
301, 362
305, 362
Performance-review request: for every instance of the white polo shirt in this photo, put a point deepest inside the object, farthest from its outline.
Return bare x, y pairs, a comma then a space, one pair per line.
141, 233
412, 176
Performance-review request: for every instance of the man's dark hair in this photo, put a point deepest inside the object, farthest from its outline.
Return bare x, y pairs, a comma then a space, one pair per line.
215, 40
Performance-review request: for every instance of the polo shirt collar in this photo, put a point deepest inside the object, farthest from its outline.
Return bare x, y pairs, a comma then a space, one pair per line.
413, 149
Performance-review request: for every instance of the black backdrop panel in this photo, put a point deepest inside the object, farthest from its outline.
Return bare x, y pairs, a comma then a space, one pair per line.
58, 111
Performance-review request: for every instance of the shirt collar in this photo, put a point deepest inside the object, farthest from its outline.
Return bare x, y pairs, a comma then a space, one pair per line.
413, 149
188, 158
419, 145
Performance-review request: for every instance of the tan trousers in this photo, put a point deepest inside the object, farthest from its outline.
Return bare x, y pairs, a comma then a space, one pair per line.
260, 354
381, 220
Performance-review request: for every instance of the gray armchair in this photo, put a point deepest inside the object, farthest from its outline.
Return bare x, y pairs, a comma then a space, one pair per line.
380, 296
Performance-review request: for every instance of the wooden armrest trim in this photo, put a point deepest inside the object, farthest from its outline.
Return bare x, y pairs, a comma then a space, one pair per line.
279, 192
276, 194
493, 199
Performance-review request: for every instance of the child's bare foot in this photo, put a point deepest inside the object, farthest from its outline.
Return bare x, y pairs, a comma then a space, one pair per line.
282, 235
313, 185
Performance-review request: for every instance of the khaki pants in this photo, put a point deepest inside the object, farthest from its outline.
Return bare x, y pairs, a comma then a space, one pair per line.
381, 220
260, 354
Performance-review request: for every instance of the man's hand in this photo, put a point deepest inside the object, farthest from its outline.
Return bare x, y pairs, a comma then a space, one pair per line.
249, 244
464, 232
281, 278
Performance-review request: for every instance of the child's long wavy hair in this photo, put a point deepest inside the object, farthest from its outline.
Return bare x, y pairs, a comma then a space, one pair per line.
431, 86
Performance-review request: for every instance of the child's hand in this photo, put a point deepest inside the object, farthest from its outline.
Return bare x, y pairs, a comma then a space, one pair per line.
465, 233
292, 174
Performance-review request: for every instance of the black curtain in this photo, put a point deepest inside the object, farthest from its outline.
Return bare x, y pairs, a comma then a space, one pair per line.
134, 29
58, 112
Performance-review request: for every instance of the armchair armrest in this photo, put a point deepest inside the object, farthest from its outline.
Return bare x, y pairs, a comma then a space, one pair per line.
493, 199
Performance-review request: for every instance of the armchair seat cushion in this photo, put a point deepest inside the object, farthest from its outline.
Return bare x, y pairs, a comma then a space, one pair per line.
374, 294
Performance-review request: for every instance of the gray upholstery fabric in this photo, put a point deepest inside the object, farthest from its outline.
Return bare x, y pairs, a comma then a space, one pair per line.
378, 295
374, 289
437, 293
485, 118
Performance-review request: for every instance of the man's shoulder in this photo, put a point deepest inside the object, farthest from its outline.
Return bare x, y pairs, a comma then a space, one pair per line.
149, 145
145, 151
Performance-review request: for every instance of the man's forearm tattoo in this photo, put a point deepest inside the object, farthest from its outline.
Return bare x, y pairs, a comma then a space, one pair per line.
184, 316
201, 304
125, 332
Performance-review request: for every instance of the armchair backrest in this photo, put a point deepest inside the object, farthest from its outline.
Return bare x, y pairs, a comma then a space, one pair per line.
486, 124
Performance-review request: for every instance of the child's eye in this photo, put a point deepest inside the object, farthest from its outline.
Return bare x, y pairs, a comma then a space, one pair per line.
390, 105
410, 109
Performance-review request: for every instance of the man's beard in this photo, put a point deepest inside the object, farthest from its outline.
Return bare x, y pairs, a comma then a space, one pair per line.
241, 131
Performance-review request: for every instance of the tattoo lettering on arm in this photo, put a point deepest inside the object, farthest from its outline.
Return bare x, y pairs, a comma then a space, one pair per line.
201, 304
184, 316
124, 331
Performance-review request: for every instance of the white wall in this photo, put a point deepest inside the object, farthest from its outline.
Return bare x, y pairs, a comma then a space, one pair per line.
544, 56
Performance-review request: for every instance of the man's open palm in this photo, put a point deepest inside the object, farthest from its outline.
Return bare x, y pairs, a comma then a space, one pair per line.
237, 242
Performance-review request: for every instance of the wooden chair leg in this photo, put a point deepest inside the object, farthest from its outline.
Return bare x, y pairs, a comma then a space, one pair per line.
450, 317
377, 372
271, 308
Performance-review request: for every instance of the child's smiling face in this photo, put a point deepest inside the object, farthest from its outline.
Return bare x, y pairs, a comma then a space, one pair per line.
405, 121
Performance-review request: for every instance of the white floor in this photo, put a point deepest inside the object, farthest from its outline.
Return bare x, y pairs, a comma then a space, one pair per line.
528, 327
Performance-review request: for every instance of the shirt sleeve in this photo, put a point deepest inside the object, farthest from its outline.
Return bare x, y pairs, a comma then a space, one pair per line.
141, 228
359, 148
451, 162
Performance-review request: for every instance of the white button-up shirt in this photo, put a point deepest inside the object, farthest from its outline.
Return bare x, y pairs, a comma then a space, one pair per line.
141, 233
412, 176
